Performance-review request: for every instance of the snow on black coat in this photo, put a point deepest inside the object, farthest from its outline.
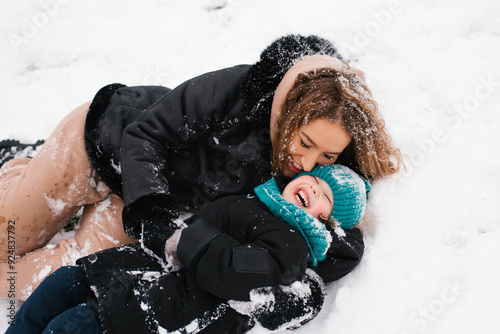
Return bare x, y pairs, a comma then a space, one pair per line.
162, 149
233, 246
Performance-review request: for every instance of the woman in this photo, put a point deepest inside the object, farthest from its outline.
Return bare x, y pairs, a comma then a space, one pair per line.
151, 152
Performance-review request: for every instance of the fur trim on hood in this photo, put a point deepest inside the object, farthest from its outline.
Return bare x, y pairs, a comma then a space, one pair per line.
262, 79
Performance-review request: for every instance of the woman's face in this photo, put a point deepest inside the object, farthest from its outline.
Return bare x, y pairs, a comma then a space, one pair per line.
317, 143
310, 193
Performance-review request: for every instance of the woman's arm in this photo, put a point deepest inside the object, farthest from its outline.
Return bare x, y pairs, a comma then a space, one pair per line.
169, 127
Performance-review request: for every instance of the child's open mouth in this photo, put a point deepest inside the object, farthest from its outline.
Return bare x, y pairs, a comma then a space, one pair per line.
301, 197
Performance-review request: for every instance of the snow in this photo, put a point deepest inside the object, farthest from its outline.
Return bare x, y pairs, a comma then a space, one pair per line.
57, 206
43, 273
430, 262
144, 306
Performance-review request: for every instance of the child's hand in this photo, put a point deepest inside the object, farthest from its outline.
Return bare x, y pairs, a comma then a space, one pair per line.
171, 248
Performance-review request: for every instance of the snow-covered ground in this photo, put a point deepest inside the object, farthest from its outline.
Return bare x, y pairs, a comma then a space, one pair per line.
431, 264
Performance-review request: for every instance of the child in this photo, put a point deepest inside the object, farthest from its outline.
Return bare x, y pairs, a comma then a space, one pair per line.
234, 245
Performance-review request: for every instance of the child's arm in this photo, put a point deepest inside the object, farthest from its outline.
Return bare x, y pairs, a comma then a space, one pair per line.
288, 307
285, 307
240, 246
343, 256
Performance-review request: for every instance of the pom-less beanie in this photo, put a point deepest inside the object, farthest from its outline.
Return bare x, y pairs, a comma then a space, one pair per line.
349, 192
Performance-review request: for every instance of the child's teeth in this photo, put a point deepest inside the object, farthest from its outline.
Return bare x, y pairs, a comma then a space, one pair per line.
302, 198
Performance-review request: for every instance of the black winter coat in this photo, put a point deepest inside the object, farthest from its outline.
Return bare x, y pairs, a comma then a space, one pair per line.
163, 149
233, 246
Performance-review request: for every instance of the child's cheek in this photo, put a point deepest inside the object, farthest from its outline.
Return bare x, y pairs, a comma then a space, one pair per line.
326, 207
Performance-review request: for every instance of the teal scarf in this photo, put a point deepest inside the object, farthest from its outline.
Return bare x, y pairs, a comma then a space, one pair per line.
315, 233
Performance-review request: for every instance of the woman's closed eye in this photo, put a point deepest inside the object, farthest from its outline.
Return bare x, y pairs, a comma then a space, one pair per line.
304, 144
330, 157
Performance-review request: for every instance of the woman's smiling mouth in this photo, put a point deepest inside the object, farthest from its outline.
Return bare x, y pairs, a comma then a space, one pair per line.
295, 167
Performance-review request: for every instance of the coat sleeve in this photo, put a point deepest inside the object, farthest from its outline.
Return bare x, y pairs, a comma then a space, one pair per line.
285, 307
170, 126
240, 248
343, 256
288, 307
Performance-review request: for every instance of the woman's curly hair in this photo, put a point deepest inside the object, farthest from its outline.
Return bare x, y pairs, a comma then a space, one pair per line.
343, 98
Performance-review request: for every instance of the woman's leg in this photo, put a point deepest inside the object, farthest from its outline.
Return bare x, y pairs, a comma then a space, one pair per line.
31, 269
65, 289
39, 196
100, 228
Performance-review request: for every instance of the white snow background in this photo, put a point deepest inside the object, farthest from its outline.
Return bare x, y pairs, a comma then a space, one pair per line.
431, 264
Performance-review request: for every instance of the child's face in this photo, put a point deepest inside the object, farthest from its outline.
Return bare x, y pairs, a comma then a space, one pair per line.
310, 193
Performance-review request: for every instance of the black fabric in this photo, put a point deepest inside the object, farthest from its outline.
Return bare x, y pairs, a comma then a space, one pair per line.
343, 256
289, 308
251, 260
231, 322
10, 149
197, 238
195, 144
155, 214
242, 222
132, 302
127, 257
104, 126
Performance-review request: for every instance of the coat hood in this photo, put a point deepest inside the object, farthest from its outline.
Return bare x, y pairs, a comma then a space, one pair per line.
259, 85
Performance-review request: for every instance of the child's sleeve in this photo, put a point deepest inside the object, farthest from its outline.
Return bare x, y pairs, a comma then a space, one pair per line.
343, 256
284, 307
241, 247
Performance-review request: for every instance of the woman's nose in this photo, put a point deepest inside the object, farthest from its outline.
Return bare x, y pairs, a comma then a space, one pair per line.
308, 162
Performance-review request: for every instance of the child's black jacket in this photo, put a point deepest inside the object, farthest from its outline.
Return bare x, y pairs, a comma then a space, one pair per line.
246, 247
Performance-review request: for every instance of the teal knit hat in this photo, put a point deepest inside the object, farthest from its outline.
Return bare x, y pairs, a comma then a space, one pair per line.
350, 192
317, 237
